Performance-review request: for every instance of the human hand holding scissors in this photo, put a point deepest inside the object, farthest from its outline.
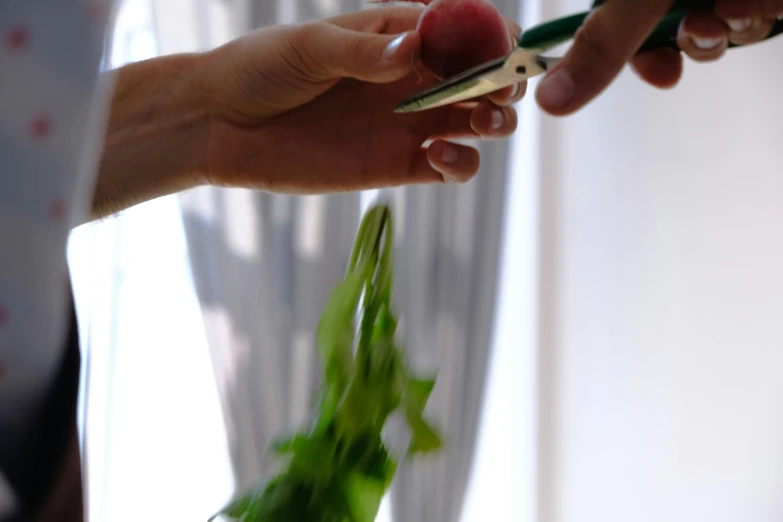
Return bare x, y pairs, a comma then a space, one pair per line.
651, 34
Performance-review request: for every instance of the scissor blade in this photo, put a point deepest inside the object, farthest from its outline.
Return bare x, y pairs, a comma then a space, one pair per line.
519, 65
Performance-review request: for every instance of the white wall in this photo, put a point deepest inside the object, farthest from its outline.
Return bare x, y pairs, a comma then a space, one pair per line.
662, 299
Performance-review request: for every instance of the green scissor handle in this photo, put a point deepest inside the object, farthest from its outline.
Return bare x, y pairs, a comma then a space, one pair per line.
551, 34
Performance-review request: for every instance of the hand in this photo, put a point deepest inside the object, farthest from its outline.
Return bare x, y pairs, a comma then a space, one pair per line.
612, 34
308, 108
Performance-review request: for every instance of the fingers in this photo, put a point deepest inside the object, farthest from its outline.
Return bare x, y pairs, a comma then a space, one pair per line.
755, 32
742, 19
323, 52
400, 19
703, 36
611, 35
444, 161
509, 95
748, 21
455, 162
608, 39
483, 120
492, 121
660, 68
514, 31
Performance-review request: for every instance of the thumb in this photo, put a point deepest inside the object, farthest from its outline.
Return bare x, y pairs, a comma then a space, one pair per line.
609, 38
328, 52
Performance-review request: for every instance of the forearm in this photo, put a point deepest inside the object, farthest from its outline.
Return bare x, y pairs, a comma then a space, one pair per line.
156, 135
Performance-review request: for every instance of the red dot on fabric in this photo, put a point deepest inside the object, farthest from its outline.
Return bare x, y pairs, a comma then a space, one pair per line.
17, 39
57, 209
41, 127
3, 315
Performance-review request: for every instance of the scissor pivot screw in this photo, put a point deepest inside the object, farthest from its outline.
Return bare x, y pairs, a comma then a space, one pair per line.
521, 69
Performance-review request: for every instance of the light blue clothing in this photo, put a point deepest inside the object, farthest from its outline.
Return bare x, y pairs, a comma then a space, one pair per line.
52, 117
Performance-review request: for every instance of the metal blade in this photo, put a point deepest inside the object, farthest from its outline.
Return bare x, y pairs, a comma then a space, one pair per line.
519, 65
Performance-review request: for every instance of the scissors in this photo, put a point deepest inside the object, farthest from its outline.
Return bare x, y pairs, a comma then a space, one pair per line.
526, 60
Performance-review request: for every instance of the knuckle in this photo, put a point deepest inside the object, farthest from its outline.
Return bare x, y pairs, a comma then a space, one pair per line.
297, 49
515, 31
758, 31
354, 49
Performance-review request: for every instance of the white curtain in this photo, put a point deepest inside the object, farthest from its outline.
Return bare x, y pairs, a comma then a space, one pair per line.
263, 266
661, 294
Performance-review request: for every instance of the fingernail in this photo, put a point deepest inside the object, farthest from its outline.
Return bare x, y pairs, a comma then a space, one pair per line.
706, 44
392, 48
557, 89
514, 91
739, 26
450, 154
497, 119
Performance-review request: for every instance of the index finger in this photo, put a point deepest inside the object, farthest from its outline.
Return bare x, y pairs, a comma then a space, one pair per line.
608, 39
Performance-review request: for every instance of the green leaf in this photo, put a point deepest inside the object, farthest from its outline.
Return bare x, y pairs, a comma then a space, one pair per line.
339, 469
364, 497
367, 455
424, 438
316, 458
417, 393
284, 445
243, 506
334, 338
235, 509
335, 332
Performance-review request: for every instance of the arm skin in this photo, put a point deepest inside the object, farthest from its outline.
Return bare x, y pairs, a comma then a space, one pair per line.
238, 114
157, 133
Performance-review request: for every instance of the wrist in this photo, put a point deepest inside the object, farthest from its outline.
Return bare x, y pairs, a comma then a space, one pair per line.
156, 134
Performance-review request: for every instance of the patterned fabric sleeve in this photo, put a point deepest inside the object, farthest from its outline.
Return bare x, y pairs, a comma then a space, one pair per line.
52, 112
